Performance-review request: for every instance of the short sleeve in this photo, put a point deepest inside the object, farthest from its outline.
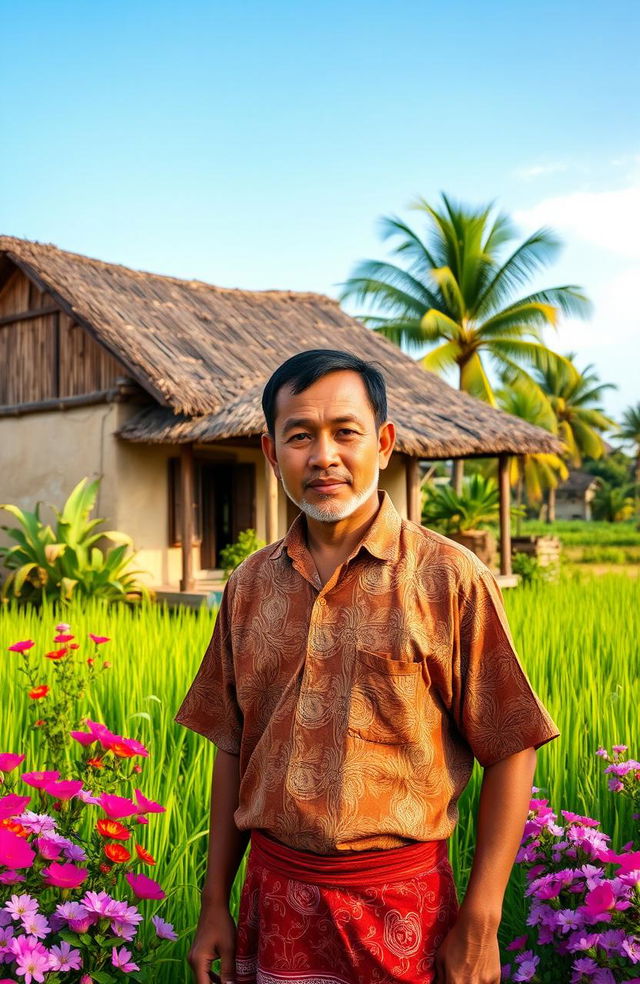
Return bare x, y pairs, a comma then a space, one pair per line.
210, 706
496, 709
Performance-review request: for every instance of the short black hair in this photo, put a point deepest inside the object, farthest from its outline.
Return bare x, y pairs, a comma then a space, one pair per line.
302, 370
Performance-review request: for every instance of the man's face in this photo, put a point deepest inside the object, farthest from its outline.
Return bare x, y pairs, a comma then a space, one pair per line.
327, 449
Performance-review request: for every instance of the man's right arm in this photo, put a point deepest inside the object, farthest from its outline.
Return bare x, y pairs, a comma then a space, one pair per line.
216, 933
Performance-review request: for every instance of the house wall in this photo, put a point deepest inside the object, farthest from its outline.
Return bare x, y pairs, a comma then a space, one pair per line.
43, 455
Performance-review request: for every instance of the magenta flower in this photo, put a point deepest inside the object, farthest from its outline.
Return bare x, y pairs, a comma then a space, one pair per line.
9, 761
14, 851
144, 887
599, 902
21, 647
121, 959
64, 789
116, 807
48, 849
64, 875
12, 805
39, 779
71, 910
63, 957
63, 637
147, 805
9, 877
165, 930
99, 639
84, 737
98, 902
619, 749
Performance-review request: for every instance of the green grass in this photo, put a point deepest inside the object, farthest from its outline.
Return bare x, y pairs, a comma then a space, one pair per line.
578, 640
577, 532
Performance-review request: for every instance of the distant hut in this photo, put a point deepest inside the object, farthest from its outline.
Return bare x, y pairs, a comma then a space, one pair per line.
575, 496
154, 384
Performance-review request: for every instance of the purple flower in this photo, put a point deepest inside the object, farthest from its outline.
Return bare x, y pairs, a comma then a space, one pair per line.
63, 957
121, 959
31, 958
37, 823
97, 902
526, 968
583, 966
619, 749
165, 931
71, 910
631, 949
603, 753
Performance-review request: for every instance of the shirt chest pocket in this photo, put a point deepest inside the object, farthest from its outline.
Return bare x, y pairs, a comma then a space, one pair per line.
384, 699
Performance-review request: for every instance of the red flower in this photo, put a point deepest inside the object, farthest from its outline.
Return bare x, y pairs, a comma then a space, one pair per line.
113, 829
21, 647
117, 853
99, 639
122, 750
39, 722
15, 827
96, 763
39, 692
56, 654
105, 868
74, 645
90, 661
144, 855
63, 638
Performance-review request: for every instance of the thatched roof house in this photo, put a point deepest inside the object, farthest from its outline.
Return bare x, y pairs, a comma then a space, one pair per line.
162, 362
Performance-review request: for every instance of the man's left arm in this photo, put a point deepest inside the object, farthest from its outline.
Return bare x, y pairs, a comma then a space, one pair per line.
470, 952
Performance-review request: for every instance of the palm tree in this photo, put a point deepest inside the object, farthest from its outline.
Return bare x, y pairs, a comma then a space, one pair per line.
458, 290
574, 397
630, 431
532, 472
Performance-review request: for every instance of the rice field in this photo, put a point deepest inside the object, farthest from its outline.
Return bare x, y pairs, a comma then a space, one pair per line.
578, 639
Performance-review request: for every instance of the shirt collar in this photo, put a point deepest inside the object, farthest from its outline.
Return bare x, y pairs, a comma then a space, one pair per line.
382, 539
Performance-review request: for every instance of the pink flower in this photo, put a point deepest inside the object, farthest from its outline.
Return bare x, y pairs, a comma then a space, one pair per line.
21, 905
518, 944
147, 805
14, 851
144, 887
39, 779
63, 627
21, 647
36, 925
63, 790
64, 875
99, 639
33, 963
84, 737
9, 877
116, 807
64, 637
63, 957
121, 959
619, 749
12, 805
576, 818
9, 761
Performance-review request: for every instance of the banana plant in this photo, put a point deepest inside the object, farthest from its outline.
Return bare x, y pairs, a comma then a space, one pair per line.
64, 562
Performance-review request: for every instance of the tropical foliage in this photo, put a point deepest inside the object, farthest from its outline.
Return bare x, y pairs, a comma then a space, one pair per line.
233, 555
458, 289
476, 507
65, 561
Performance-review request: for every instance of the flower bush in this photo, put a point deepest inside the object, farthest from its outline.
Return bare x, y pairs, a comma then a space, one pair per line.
583, 896
72, 888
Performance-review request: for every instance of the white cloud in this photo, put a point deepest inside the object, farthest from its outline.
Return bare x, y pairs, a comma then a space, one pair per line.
538, 170
608, 219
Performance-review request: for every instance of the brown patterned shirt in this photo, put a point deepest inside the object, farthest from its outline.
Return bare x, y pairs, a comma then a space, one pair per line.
357, 708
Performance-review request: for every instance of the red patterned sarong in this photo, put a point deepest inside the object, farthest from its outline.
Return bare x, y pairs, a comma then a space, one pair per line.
374, 917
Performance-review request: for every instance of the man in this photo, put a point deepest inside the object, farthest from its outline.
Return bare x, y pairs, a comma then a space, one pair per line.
356, 668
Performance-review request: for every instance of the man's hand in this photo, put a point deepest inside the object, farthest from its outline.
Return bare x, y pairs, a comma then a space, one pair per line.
215, 939
466, 957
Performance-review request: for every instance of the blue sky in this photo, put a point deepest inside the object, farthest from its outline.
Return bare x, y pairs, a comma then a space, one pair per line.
256, 145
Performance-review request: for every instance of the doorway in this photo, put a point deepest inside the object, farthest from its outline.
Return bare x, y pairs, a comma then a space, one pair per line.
227, 497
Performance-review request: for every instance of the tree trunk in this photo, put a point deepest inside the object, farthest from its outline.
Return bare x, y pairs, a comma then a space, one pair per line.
457, 475
519, 491
551, 506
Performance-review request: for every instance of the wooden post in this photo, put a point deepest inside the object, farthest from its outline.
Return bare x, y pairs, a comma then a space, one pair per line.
457, 475
271, 503
505, 516
413, 490
187, 495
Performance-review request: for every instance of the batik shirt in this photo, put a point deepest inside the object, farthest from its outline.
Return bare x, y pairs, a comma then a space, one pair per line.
356, 708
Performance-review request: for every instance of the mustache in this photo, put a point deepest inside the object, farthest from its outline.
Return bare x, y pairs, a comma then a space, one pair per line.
334, 477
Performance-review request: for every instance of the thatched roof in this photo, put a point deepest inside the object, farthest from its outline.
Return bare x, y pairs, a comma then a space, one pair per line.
577, 484
205, 352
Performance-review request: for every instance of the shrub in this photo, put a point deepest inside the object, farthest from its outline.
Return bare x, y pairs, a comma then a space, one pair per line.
233, 555
66, 562
531, 570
